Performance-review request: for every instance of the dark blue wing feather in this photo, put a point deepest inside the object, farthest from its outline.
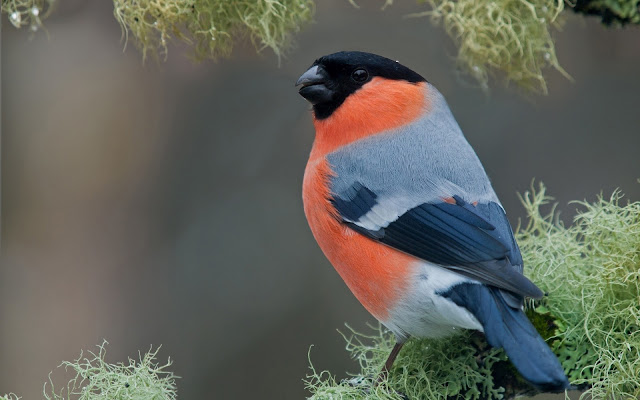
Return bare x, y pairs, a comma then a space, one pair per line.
474, 240
357, 201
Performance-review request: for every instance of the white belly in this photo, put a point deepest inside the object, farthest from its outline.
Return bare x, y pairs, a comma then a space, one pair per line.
423, 313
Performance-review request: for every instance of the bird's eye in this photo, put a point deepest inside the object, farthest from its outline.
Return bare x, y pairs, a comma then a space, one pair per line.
360, 75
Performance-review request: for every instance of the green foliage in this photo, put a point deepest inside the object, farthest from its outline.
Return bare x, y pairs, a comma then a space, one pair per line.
10, 396
210, 26
613, 12
95, 379
512, 36
591, 318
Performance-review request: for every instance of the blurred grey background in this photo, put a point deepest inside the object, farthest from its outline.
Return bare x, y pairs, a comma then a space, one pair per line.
161, 203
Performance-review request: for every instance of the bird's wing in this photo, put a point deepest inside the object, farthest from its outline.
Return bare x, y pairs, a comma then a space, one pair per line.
473, 239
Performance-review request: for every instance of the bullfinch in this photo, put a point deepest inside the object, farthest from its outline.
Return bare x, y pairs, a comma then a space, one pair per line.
402, 207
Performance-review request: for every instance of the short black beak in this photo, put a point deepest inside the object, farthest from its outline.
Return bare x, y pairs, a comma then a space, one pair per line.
313, 76
314, 85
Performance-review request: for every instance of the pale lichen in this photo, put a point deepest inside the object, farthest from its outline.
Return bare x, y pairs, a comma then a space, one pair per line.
512, 36
211, 27
456, 367
27, 12
10, 396
592, 270
96, 379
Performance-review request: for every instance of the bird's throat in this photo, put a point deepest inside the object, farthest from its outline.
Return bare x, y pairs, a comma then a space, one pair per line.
379, 106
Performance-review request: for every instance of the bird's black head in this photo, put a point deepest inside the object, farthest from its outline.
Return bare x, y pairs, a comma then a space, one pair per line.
331, 79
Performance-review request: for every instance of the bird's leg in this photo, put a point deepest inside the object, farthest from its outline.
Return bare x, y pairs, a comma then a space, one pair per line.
387, 365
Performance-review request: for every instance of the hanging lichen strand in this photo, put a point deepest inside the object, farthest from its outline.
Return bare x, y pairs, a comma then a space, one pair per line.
211, 26
512, 36
27, 12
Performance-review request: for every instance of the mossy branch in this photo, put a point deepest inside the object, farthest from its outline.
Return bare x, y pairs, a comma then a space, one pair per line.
511, 36
95, 379
590, 318
211, 26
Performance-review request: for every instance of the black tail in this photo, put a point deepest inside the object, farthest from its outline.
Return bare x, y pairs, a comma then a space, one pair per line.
510, 329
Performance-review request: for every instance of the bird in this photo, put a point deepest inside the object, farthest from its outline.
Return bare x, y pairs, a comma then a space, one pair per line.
402, 207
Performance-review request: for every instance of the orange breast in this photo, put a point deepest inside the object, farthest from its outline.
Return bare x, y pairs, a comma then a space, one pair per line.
375, 273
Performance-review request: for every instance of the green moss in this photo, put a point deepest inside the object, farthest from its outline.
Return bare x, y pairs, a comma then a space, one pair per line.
512, 36
591, 318
543, 322
95, 379
612, 12
210, 27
